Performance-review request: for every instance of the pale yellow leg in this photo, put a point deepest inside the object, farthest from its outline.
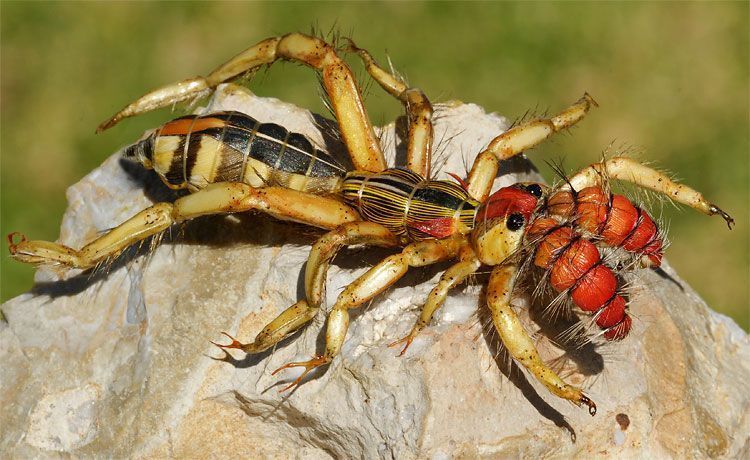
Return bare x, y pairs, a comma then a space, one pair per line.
519, 139
225, 197
452, 277
517, 340
146, 223
629, 170
418, 113
326, 248
337, 79
321, 254
274, 332
370, 284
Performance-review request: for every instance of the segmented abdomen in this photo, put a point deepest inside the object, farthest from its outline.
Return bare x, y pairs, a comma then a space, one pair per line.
410, 205
194, 151
565, 235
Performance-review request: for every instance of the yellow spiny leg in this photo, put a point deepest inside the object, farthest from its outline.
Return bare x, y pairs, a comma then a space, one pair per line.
452, 277
373, 282
223, 197
274, 332
418, 113
517, 340
326, 248
629, 170
337, 79
519, 139
321, 254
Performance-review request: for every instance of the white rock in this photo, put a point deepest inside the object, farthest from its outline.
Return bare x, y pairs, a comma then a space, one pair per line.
116, 364
65, 420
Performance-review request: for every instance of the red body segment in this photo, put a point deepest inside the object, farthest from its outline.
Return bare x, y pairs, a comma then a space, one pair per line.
621, 330
595, 289
642, 235
612, 314
540, 227
561, 203
592, 209
550, 247
623, 217
573, 264
646, 240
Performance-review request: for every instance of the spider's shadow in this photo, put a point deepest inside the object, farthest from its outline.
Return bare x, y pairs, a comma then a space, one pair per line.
664, 275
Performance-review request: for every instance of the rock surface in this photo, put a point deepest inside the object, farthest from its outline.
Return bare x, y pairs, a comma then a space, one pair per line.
115, 364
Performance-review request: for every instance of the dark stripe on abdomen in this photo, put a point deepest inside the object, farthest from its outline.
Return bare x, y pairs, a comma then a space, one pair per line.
175, 176
399, 199
223, 146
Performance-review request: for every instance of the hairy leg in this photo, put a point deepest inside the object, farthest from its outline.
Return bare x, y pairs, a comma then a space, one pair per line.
326, 248
321, 255
455, 275
337, 80
517, 340
219, 198
627, 169
370, 284
518, 139
418, 113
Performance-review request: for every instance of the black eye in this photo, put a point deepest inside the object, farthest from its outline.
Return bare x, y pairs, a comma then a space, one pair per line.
535, 189
514, 222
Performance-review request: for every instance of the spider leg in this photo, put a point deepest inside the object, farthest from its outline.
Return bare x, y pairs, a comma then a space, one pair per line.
517, 340
337, 80
373, 282
218, 198
451, 278
326, 248
315, 362
629, 170
418, 113
277, 330
518, 139
321, 254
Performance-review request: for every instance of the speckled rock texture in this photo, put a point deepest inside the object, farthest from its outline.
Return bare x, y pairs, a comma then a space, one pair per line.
116, 363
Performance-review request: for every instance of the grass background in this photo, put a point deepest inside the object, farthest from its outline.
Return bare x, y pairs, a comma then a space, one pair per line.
671, 78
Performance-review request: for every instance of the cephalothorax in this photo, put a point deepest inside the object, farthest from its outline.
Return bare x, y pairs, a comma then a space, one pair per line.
234, 163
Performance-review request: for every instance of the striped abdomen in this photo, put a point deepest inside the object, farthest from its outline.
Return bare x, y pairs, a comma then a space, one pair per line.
409, 205
194, 151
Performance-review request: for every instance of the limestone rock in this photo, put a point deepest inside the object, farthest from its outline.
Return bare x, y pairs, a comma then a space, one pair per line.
116, 363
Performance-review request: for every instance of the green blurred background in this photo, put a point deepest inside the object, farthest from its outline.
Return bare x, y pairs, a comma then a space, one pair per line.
671, 78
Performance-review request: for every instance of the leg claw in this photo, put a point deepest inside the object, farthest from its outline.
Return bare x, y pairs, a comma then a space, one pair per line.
406, 341
592, 406
235, 343
12, 245
713, 209
317, 361
227, 358
350, 46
